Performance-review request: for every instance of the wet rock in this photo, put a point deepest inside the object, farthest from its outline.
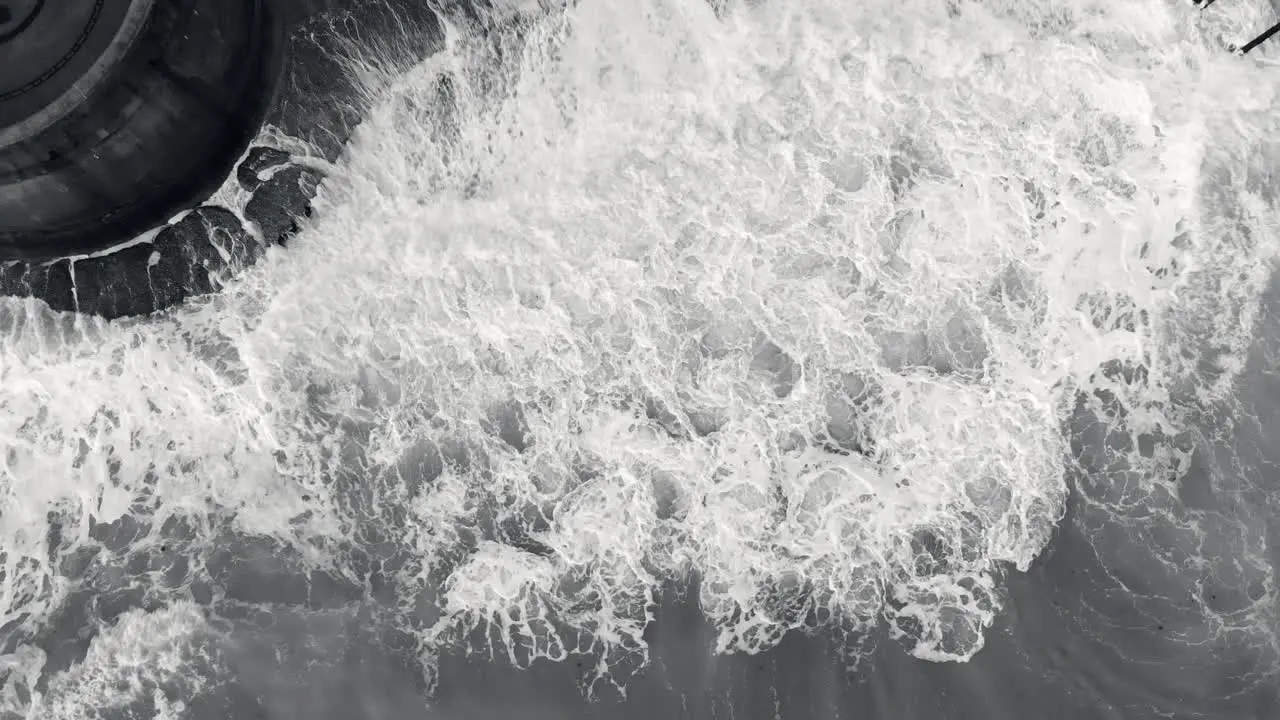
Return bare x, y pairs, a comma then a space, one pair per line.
281, 201
321, 101
189, 258
51, 283
313, 76
192, 257
260, 160
198, 253
116, 285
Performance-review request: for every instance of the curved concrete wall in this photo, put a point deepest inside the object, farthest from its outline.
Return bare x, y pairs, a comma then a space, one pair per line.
174, 99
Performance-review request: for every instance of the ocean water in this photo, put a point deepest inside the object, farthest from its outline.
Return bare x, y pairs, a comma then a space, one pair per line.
894, 324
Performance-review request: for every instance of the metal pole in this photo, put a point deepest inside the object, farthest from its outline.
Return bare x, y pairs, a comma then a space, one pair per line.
1260, 39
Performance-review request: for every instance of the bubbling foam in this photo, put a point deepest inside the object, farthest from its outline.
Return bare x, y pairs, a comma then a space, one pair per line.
793, 296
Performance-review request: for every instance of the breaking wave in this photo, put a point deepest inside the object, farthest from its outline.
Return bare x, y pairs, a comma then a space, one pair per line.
799, 298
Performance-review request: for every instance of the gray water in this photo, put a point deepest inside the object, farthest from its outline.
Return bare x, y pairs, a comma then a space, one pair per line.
779, 359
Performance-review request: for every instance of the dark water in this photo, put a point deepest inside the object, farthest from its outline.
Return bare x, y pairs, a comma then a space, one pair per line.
1096, 628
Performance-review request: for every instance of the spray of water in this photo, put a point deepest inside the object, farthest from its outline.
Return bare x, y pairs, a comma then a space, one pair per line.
793, 296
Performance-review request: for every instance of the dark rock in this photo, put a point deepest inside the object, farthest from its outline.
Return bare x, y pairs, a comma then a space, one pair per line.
115, 285
318, 103
51, 283
191, 255
260, 159
321, 101
281, 200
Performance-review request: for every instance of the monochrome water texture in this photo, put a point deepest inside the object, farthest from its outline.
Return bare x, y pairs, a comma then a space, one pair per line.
908, 359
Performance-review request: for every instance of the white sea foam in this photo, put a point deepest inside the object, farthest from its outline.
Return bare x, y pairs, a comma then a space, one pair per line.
795, 296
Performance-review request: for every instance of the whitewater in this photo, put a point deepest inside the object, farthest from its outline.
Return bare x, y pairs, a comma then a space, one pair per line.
801, 298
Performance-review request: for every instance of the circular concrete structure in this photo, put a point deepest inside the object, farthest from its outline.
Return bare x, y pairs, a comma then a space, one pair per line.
115, 115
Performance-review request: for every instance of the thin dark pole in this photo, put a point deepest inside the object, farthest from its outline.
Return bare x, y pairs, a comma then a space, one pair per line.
1260, 39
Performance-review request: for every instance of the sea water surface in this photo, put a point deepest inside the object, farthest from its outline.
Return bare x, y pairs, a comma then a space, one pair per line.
779, 359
